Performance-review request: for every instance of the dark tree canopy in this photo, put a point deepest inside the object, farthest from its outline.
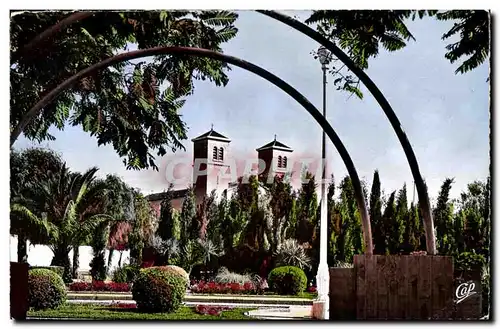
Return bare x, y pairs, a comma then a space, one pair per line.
473, 28
133, 105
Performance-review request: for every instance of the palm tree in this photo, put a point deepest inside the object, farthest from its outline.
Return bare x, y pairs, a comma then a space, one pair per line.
27, 225
93, 208
28, 167
70, 202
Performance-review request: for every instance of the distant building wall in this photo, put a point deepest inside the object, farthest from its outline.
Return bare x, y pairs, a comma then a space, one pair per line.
41, 255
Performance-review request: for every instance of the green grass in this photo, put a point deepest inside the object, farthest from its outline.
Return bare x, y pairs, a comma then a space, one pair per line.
103, 312
307, 295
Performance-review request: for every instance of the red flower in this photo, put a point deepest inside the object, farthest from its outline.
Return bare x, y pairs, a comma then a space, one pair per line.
79, 286
224, 288
311, 289
236, 287
123, 305
213, 311
248, 286
201, 309
210, 310
118, 287
98, 286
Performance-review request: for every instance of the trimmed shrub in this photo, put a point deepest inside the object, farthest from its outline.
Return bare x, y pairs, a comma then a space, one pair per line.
287, 280
46, 289
58, 269
158, 289
178, 270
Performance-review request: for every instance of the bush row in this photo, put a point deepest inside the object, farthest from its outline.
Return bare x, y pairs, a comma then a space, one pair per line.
225, 288
285, 280
156, 289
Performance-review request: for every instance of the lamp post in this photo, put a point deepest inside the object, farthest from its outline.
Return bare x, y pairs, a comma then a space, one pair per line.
323, 276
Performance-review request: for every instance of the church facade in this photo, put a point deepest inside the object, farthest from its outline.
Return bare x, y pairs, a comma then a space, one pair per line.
214, 168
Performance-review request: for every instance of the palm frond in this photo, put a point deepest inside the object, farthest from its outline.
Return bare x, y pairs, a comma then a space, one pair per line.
226, 33
44, 227
218, 17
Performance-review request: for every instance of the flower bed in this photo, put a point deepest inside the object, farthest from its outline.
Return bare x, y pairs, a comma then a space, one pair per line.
211, 310
123, 305
99, 286
202, 287
311, 289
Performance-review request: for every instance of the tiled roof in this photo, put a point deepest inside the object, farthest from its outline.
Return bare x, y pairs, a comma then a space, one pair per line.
212, 134
275, 145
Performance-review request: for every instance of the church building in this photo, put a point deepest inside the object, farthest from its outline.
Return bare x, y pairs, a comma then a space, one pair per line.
212, 165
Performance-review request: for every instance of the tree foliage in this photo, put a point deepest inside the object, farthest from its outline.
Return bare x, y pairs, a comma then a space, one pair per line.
346, 237
362, 34
27, 167
132, 106
473, 29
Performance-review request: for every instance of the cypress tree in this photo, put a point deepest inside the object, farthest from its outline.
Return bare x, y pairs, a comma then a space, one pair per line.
399, 221
188, 216
378, 229
166, 224
388, 219
443, 219
307, 204
347, 238
413, 231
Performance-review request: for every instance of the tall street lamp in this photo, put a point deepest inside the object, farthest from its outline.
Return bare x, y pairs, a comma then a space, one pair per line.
323, 276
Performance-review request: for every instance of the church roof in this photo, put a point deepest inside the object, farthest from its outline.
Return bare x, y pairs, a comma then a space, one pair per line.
275, 145
211, 134
176, 194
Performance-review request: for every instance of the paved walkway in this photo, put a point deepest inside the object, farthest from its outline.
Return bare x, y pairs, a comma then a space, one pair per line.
289, 313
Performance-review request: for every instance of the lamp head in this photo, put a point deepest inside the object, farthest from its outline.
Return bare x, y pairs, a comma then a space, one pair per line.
323, 55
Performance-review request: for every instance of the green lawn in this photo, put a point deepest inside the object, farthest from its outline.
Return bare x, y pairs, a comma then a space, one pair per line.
103, 312
307, 295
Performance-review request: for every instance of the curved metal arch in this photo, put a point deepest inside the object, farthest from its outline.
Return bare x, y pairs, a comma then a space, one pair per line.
423, 196
358, 192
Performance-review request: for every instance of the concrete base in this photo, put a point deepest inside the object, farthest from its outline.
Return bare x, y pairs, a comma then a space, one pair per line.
318, 310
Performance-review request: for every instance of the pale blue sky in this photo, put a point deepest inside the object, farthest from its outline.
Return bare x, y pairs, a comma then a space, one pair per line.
445, 116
